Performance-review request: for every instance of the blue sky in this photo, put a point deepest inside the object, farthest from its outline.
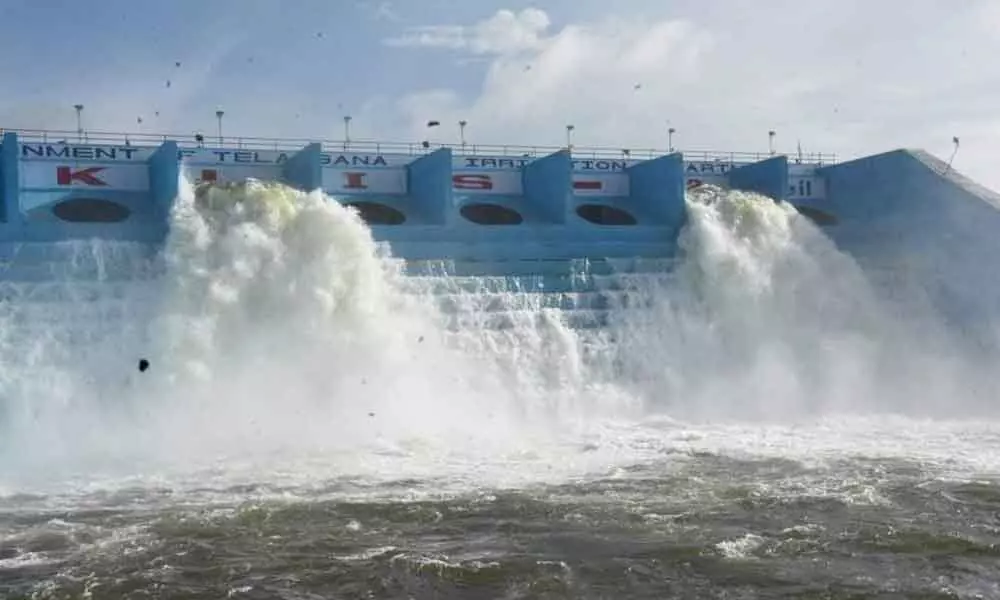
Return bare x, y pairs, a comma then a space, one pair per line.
845, 76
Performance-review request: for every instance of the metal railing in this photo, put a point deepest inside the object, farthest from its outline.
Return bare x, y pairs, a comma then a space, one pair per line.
409, 148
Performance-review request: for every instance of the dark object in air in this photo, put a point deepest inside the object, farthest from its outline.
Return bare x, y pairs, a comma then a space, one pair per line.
143, 365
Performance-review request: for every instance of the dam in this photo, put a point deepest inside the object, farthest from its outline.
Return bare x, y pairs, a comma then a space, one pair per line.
510, 218
479, 203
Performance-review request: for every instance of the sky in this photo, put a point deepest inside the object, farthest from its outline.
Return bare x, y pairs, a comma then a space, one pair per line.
849, 77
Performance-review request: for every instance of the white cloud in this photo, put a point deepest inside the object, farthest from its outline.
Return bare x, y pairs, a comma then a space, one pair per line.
379, 10
504, 33
536, 80
843, 76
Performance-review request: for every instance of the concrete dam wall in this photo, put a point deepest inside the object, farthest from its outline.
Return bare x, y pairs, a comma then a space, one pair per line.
551, 220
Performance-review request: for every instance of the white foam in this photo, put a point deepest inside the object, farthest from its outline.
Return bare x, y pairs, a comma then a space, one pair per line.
766, 319
285, 351
741, 548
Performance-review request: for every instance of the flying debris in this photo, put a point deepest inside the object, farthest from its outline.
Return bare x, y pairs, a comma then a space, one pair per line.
951, 159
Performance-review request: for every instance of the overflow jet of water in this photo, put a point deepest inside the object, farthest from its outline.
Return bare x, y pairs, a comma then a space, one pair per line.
285, 344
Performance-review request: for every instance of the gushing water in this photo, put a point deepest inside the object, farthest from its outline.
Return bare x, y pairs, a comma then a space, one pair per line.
765, 318
285, 347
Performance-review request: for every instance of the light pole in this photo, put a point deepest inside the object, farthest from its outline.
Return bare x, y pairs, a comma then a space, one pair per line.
670, 139
79, 122
347, 131
461, 132
770, 141
218, 116
569, 137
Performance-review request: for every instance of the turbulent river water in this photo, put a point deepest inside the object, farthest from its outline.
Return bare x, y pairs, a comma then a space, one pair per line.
757, 421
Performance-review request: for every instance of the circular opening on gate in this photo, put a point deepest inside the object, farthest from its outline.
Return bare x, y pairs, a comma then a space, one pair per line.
602, 214
90, 210
491, 214
816, 215
376, 213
